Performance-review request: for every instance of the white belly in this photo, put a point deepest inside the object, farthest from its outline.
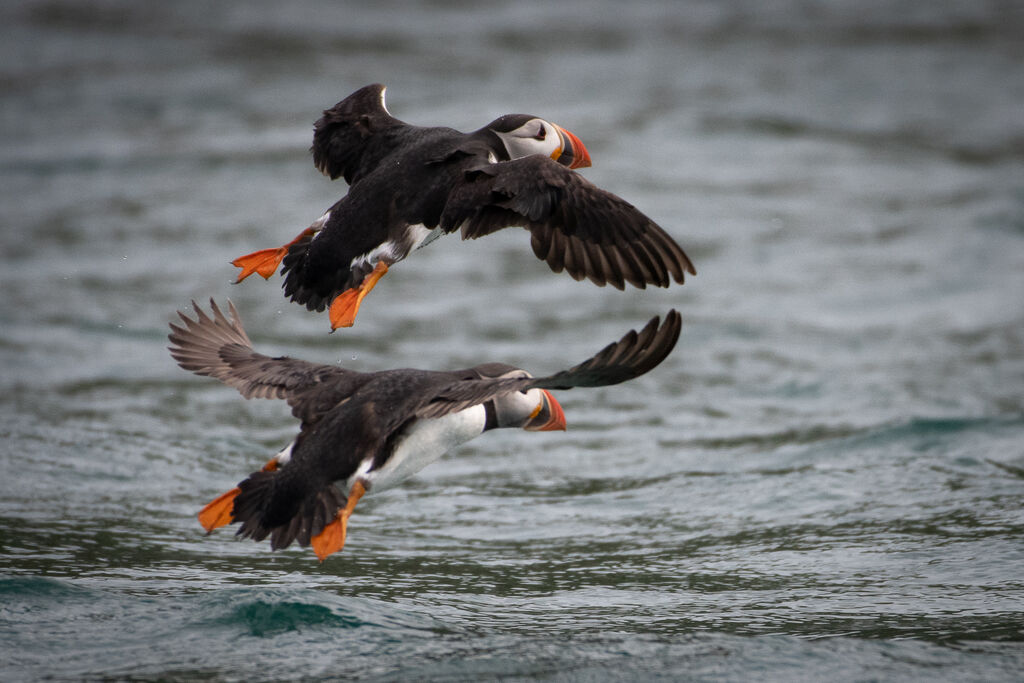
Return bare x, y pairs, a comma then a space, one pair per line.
427, 441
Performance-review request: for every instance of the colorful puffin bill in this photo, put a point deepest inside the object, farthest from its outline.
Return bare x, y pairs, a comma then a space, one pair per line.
366, 431
409, 184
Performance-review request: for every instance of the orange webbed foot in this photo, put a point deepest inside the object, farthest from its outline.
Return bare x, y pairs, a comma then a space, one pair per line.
345, 306
264, 262
219, 511
332, 538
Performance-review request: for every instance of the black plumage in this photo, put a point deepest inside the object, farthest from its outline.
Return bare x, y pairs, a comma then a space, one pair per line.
574, 225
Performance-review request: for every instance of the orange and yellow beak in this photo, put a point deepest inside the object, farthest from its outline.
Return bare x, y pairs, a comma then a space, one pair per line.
573, 154
549, 416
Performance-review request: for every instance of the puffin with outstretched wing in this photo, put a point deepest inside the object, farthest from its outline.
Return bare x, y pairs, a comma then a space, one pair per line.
409, 184
368, 431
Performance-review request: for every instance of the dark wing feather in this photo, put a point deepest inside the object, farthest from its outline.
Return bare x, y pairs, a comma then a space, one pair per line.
637, 353
352, 136
575, 226
633, 355
219, 348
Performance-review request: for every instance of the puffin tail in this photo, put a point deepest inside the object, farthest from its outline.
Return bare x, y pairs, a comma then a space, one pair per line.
314, 278
271, 503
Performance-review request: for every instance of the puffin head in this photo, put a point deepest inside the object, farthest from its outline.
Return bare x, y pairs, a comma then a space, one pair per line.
534, 410
523, 135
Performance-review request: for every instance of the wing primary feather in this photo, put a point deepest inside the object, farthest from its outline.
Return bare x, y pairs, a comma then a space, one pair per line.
556, 253
633, 355
625, 267
216, 346
644, 263
597, 264
583, 258
611, 270
674, 256
660, 263
570, 258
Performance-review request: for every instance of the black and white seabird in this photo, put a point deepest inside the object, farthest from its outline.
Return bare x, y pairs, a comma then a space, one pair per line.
409, 184
368, 431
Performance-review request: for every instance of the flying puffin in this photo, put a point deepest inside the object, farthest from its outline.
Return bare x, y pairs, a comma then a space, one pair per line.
368, 431
410, 184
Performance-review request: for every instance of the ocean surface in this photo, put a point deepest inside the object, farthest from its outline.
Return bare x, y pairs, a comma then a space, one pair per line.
825, 480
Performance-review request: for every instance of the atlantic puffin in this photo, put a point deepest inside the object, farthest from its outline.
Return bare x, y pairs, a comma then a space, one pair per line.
410, 184
368, 431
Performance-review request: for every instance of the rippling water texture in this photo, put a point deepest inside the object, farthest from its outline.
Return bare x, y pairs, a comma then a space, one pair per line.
825, 479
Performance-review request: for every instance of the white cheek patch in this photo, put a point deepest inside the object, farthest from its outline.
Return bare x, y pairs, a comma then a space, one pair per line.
537, 398
551, 145
519, 146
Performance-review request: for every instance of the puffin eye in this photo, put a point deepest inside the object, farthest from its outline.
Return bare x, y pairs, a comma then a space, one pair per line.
541, 133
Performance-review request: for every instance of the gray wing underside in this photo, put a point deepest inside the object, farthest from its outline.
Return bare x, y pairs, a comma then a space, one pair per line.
214, 346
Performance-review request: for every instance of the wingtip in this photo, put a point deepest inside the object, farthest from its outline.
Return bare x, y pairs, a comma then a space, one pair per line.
673, 317
656, 341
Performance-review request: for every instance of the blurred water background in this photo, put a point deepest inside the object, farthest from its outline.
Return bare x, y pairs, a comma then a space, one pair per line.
825, 480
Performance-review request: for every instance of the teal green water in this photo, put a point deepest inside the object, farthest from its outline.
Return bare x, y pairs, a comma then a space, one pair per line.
824, 481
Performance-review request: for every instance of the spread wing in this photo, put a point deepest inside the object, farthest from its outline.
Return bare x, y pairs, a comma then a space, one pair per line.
575, 225
355, 134
219, 348
633, 355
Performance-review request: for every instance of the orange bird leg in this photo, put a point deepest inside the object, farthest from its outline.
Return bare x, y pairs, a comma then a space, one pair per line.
219, 511
332, 538
345, 306
265, 261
